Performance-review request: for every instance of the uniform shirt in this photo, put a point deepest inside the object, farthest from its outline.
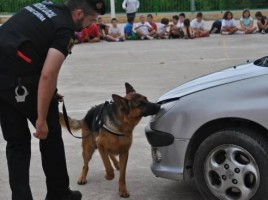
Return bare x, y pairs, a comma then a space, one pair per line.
90, 32
246, 21
27, 36
228, 23
145, 28
198, 25
128, 30
131, 6
114, 30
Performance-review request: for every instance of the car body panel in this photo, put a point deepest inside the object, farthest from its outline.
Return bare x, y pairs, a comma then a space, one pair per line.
240, 93
171, 167
218, 78
246, 99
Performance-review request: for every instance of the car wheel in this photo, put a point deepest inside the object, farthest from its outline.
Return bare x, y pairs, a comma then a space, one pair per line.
232, 165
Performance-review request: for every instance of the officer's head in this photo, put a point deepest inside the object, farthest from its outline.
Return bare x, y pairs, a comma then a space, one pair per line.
84, 12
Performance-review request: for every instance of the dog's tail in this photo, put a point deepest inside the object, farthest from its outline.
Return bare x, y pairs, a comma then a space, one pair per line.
74, 123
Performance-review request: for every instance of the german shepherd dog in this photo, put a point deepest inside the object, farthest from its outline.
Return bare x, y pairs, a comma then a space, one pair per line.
114, 136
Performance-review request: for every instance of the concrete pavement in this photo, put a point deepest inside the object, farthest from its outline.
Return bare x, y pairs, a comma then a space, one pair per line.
95, 71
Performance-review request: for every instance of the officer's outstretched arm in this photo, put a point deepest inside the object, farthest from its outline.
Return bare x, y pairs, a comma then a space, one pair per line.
46, 88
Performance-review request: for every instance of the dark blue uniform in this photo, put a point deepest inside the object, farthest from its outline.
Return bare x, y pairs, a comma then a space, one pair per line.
24, 42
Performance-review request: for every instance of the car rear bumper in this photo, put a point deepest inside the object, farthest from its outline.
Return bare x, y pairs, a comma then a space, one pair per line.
158, 138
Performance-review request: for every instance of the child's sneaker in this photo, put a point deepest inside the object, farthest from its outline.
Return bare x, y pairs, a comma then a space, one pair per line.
225, 33
149, 37
263, 32
121, 40
142, 37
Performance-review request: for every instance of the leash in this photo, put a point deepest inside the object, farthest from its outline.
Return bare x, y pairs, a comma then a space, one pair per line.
65, 116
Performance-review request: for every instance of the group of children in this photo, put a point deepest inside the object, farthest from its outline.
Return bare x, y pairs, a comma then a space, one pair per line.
227, 26
180, 27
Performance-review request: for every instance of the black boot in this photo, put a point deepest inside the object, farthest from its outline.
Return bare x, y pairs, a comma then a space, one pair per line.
69, 195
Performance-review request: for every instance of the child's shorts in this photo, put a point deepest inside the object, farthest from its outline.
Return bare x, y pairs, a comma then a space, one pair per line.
133, 37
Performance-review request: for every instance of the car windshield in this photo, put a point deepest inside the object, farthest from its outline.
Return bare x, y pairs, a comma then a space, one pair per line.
262, 62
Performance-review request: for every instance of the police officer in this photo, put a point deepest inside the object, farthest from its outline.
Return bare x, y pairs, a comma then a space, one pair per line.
33, 45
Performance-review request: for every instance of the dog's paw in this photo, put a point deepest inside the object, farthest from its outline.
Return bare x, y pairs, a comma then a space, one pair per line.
124, 193
81, 181
109, 176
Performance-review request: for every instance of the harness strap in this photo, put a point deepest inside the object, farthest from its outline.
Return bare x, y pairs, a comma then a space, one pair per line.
111, 131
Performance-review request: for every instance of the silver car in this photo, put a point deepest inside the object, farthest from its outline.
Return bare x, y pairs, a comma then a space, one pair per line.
215, 129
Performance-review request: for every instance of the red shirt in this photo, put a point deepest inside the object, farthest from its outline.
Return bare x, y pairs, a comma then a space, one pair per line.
153, 25
89, 32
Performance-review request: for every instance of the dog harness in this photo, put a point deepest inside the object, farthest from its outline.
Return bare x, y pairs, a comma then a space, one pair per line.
97, 125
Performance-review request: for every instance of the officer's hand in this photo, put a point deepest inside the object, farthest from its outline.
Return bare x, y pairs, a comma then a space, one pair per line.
41, 130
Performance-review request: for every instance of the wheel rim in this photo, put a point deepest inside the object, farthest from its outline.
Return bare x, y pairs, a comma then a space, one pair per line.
231, 173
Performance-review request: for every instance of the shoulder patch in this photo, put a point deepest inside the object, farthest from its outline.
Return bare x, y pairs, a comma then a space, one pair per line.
70, 45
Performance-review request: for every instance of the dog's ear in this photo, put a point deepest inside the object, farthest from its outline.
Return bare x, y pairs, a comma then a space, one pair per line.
120, 101
129, 88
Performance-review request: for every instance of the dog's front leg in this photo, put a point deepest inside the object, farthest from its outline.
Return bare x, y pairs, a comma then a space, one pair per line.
106, 162
123, 158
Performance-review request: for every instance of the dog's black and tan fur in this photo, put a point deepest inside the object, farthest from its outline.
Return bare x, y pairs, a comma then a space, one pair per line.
121, 117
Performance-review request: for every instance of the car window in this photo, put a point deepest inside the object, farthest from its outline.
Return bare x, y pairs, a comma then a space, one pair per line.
262, 62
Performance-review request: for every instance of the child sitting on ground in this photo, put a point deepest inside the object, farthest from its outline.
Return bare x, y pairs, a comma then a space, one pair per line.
247, 23
89, 34
216, 27
188, 30
144, 29
262, 22
114, 34
175, 28
128, 30
198, 26
103, 28
153, 25
162, 32
228, 26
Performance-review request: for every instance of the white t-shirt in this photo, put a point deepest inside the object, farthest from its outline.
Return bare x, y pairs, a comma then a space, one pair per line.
180, 24
228, 23
145, 28
198, 25
114, 30
161, 28
131, 6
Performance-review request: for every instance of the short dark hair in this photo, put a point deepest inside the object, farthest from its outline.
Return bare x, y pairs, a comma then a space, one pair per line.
113, 19
165, 21
182, 15
87, 6
226, 14
258, 14
199, 14
150, 15
175, 17
186, 22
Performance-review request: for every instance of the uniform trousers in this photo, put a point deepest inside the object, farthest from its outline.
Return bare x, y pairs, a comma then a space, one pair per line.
14, 124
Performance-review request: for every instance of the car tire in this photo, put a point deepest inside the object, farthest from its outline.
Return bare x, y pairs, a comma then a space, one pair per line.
232, 165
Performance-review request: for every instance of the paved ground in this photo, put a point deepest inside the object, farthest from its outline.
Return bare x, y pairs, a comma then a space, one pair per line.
95, 71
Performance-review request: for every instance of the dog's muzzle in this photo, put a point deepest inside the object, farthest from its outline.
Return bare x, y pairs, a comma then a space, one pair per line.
151, 109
